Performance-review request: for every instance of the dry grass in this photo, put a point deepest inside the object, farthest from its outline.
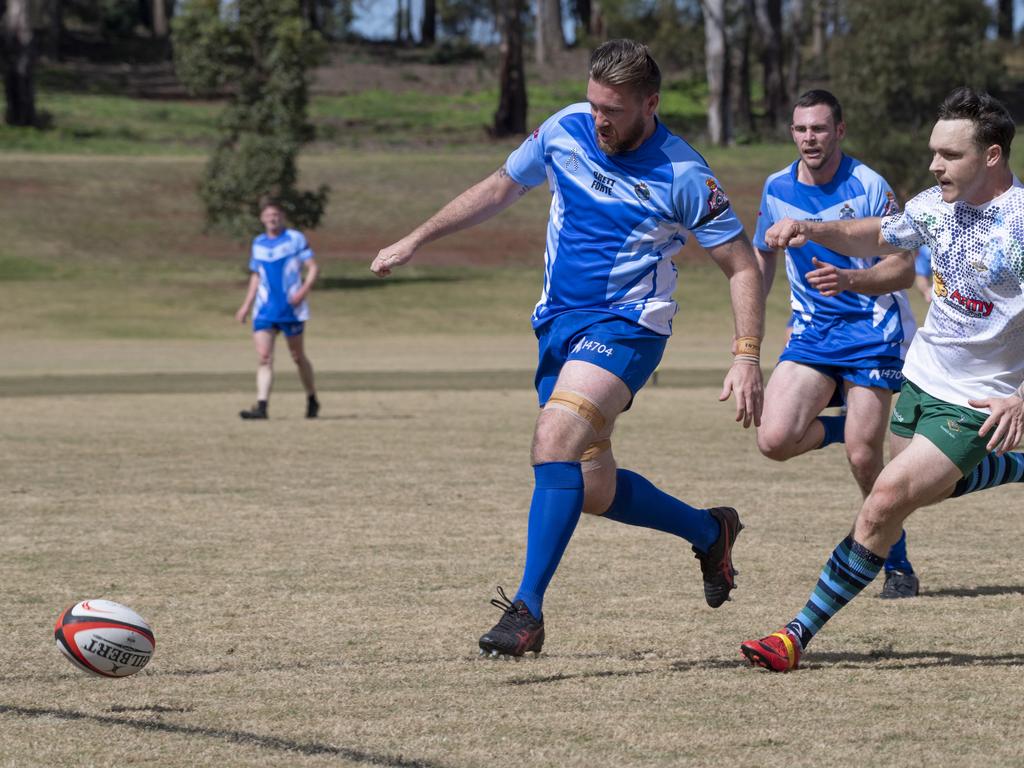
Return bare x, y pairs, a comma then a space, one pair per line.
317, 590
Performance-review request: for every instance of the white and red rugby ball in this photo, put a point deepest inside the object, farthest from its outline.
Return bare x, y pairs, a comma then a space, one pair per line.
104, 638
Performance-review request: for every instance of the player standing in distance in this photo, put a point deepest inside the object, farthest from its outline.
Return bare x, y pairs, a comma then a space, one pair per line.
624, 192
851, 320
279, 292
964, 391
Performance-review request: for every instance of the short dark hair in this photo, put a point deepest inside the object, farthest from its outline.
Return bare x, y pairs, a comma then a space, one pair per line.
816, 96
625, 62
991, 118
269, 201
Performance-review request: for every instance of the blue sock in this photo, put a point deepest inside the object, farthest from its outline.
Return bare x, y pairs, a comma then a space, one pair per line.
992, 471
897, 559
554, 512
638, 502
835, 429
851, 567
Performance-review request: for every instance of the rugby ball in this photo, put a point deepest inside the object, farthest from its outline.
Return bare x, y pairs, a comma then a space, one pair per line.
104, 638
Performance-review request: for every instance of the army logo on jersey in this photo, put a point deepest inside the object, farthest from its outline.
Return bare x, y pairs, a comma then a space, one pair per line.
846, 212
717, 201
891, 206
642, 191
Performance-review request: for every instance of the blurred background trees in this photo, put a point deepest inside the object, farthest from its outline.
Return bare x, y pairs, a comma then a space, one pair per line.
744, 60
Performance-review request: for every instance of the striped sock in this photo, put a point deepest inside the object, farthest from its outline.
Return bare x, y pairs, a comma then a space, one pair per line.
851, 567
835, 429
992, 471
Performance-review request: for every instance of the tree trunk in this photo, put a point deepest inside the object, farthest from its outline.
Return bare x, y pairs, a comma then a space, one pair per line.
550, 36
160, 19
510, 119
596, 28
716, 61
769, 21
19, 44
819, 35
795, 36
582, 10
739, 47
1005, 19
428, 29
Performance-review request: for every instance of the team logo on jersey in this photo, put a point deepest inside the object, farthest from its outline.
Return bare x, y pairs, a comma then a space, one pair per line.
642, 190
939, 285
572, 163
971, 305
891, 206
979, 266
717, 201
846, 212
536, 133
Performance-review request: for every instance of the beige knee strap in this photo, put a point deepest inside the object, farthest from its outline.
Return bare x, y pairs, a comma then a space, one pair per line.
596, 449
579, 406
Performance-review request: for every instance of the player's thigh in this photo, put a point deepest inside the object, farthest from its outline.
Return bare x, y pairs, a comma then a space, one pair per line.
920, 475
264, 341
794, 397
867, 415
296, 345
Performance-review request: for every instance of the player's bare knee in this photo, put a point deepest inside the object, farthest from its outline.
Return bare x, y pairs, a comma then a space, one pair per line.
775, 444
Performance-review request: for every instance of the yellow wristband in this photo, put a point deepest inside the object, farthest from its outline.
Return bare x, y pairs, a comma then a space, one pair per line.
748, 345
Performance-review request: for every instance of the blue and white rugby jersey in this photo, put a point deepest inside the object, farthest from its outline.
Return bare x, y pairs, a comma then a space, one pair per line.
971, 345
848, 327
617, 221
278, 261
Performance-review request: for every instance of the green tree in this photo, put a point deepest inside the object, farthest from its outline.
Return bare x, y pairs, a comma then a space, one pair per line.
261, 51
893, 63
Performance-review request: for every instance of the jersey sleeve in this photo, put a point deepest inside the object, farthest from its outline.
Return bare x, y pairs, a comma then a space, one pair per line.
764, 220
302, 249
901, 229
703, 207
527, 164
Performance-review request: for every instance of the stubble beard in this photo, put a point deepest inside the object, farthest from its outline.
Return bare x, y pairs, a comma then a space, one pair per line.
627, 142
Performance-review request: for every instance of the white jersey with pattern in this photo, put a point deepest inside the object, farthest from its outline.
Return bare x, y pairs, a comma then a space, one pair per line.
971, 345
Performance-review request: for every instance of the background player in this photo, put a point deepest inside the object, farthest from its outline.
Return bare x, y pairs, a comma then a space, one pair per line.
964, 392
624, 192
851, 321
279, 292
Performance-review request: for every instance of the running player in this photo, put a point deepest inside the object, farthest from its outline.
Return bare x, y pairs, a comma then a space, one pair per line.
851, 320
624, 192
277, 296
962, 408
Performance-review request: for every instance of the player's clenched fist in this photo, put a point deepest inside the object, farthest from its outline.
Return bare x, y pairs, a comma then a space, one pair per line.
787, 233
393, 256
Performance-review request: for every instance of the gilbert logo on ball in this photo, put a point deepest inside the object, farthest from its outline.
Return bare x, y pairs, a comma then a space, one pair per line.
104, 638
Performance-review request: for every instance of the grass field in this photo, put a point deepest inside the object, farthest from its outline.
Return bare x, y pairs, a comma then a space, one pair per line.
317, 588
320, 605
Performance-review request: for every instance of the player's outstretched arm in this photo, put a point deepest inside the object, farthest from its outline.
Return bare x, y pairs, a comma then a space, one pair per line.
746, 287
854, 237
250, 297
893, 273
478, 203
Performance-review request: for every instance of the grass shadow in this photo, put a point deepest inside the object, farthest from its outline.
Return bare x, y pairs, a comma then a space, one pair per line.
358, 283
980, 591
